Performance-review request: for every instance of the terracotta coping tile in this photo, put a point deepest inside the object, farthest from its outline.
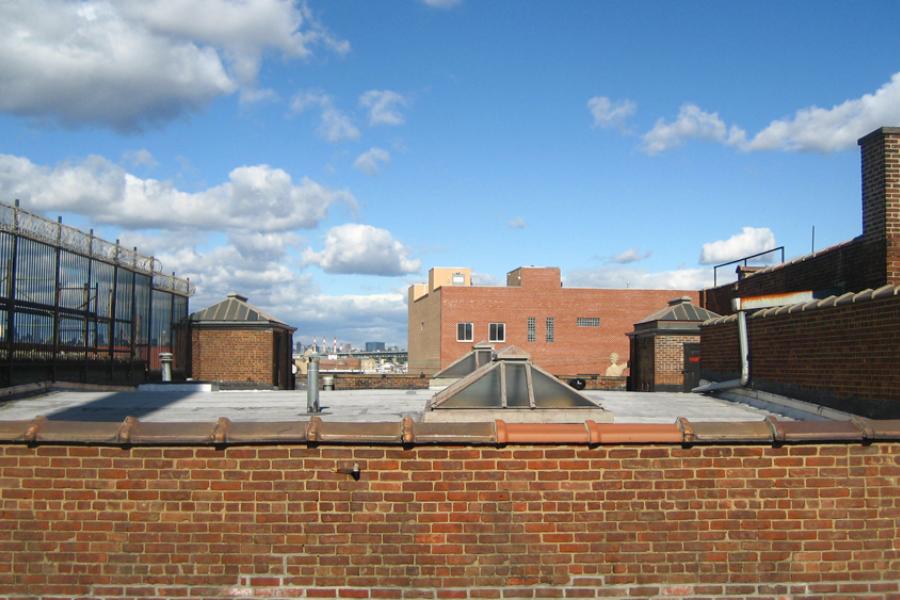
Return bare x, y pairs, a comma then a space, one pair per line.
131, 431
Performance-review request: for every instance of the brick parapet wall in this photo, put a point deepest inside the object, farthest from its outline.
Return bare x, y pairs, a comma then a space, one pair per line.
354, 381
232, 355
852, 266
599, 382
842, 356
720, 358
806, 521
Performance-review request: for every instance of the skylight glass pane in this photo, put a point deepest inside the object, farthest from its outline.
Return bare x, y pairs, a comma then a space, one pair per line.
483, 393
460, 369
516, 386
550, 393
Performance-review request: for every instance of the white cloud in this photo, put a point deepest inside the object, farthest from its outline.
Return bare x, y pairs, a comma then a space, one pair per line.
362, 249
619, 278
517, 223
334, 125
810, 129
484, 279
137, 63
384, 107
608, 113
692, 123
441, 3
257, 197
751, 240
630, 255
140, 158
837, 128
371, 161
257, 266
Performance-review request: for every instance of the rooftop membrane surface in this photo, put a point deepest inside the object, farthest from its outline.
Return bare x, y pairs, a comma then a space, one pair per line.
341, 405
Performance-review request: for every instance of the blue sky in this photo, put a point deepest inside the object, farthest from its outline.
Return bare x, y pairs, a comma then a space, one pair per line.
319, 157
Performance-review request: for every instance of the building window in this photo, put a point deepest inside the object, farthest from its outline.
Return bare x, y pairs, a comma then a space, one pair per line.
464, 332
587, 321
549, 329
497, 332
458, 279
532, 329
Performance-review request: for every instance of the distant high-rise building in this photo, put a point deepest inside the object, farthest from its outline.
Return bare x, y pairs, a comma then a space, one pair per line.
374, 346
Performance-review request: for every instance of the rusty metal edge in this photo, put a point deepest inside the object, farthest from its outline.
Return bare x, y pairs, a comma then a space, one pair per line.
224, 432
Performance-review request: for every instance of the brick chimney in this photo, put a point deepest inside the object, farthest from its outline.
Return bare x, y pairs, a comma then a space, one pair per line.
881, 195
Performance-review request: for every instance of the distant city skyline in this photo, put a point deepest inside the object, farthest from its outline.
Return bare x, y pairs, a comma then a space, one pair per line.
320, 157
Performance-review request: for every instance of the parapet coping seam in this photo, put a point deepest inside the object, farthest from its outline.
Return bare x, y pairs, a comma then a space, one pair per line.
224, 432
866, 295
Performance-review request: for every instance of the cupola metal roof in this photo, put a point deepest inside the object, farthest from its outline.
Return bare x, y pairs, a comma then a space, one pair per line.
680, 309
235, 310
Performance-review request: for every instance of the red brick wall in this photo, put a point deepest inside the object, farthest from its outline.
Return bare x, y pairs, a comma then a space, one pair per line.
845, 356
576, 350
535, 277
353, 381
232, 355
669, 358
423, 332
805, 521
720, 357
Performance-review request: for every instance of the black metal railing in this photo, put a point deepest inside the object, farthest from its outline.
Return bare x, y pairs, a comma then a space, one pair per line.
745, 261
74, 306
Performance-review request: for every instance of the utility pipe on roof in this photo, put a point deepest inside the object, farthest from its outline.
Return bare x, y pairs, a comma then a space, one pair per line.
743, 348
744, 345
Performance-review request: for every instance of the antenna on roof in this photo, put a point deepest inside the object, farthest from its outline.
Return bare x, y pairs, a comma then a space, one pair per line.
813, 246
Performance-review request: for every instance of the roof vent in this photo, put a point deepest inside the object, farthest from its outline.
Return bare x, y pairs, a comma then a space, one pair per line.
682, 300
237, 296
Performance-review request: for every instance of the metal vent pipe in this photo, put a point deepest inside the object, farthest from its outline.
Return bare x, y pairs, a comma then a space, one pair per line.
312, 385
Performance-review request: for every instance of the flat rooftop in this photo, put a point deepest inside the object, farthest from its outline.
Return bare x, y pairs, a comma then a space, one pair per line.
339, 406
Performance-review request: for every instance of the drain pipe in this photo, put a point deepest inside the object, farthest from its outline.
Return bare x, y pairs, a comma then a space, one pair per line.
743, 348
743, 342
312, 385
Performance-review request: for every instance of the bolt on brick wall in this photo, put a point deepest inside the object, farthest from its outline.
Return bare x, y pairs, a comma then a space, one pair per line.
844, 356
451, 522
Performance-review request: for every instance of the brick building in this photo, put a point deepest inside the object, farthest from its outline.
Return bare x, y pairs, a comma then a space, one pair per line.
234, 342
840, 349
567, 331
665, 348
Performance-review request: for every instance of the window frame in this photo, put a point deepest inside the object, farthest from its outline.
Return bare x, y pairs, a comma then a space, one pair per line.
502, 328
471, 328
532, 329
550, 330
592, 322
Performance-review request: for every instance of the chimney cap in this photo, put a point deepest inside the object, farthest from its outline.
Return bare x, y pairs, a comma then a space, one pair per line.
877, 133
